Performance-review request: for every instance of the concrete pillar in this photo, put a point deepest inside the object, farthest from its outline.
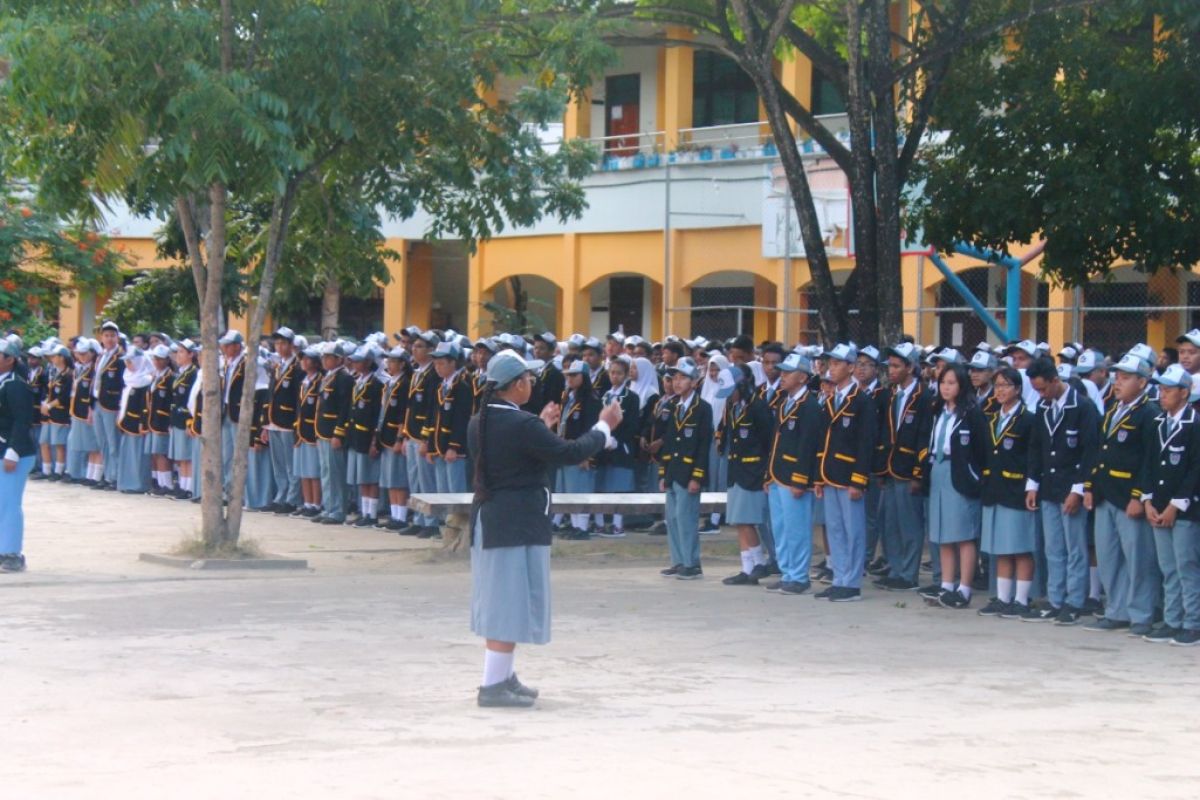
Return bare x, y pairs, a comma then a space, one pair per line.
656, 316
479, 323
577, 123
574, 303
1060, 325
1165, 288
71, 315
678, 322
764, 321
395, 291
796, 76
911, 295
420, 285
677, 88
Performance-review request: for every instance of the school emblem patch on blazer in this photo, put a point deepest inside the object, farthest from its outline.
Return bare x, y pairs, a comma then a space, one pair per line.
1122, 435
1008, 444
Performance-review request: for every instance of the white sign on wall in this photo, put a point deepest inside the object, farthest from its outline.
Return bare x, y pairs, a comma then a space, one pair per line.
831, 197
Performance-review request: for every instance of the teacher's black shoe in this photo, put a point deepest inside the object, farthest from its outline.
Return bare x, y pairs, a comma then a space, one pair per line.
689, 573
501, 695
741, 579
12, 562
672, 571
520, 688
845, 594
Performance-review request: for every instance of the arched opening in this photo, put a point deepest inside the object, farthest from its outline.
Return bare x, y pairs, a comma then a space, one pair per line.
522, 304
623, 301
732, 302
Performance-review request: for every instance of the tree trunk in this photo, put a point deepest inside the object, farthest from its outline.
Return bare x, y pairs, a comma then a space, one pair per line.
520, 303
861, 178
212, 513
331, 307
885, 291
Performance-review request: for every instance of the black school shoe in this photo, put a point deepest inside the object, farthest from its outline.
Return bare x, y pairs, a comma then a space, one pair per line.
994, 608
365, 522
672, 571
576, 535
1106, 625
894, 584
1139, 629
284, 509
501, 695
931, 592
741, 579
794, 587
1015, 610
1092, 607
878, 568
12, 562
1068, 616
1162, 635
429, 532
825, 576
519, 688
1186, 639
824, 594
689, 573
955, 600
845, 594
1047, 614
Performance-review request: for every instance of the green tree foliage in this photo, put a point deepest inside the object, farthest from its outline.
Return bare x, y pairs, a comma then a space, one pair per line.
1084, 130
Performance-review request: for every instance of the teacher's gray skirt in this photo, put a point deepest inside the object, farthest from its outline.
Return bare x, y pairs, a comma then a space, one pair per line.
1007, 531
82, 437
510, 592
54, 435
158, 444
744, 507
952, 517
361, 469
306, 461
181, 446
393, 470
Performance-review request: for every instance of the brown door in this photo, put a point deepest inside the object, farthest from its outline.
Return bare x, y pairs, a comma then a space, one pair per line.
622, 100
625, 304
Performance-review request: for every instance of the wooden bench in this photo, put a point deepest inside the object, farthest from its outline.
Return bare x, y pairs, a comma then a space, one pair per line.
456, 508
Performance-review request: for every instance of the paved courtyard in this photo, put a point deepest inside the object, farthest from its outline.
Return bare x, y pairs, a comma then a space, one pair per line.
356, 679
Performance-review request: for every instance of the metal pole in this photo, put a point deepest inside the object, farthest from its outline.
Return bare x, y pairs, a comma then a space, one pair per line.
787, 263
920, 297
666, 249
739, 322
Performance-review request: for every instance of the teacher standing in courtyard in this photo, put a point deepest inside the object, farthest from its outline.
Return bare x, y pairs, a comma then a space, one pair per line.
515, 455
16, 454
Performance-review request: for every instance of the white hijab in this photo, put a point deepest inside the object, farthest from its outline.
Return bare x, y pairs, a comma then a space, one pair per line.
139, 373
708, 390
646, 385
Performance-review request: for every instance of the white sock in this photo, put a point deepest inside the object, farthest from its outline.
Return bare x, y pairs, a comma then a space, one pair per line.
45, 467
91, 471
757, 556
1004, 589
948, 586
403, 513
497, 667
964, 590
557, 519
715, 517
1094, 583
1023, 589
599, 520
186, 483
579, 521
372, 506
311, 505
60, 467
395, 510
618, 522
747, 562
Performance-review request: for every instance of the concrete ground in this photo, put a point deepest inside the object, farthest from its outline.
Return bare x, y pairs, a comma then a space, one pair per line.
356, 680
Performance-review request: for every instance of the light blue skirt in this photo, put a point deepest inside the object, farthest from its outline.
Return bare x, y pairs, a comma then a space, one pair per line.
718, 470
82, 437
361, 469
510, 592
576, 480
744, 507
182, 446
133, 466
1007, 531
393, 470
260, 482
158, 444
615, 479
952, 517
54, 435
306, 461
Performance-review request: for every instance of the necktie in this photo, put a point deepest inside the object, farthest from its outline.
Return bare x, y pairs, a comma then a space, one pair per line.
943, 435
1171, 425
1117, 416
898, 411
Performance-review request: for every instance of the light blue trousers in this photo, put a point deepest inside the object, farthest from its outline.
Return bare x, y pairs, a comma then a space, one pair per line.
333, 479
1128, 564
12, 515
846, 529
287, 485
1067, 568
451, 476
1179, 558
791, 521
683, 525
904, 529
421, 478
874, 501
259, 483
228, 431
108, 438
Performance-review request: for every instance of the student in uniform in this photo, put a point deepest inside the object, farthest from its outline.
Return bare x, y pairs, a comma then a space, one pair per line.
393, 472
981, 367
481, 354
791, 470
421, 396
16, 455
580, 410
183, 447
684, 470
718, 466
233, 381
306, 460
866, 375
362, 448
334, 399
38, 378
1125, 554
133, 414
954, 473
746, 445
550, 383
1064, 454
447, 440
849, 443
158, 441
106, 392
514, 454
593, 353
56, 413
260, 486
1169, 494
617, 460
1009, 517
280, 430
83, 460
646, 385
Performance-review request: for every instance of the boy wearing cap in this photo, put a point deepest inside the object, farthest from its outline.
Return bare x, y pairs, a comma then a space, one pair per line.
362, 457
481, 354
233, 381
907, 429
306, 463
38, 378
1189, 351
866, 375
447, 435
1125, 553
280, 432
334, 403
16, 455
183, 448
684, 469
593, 353
56, 410
980, 368
421, 389
850, 429
393, 472
106, 392
791, 471
1062, 457
550, 383
1169, 494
